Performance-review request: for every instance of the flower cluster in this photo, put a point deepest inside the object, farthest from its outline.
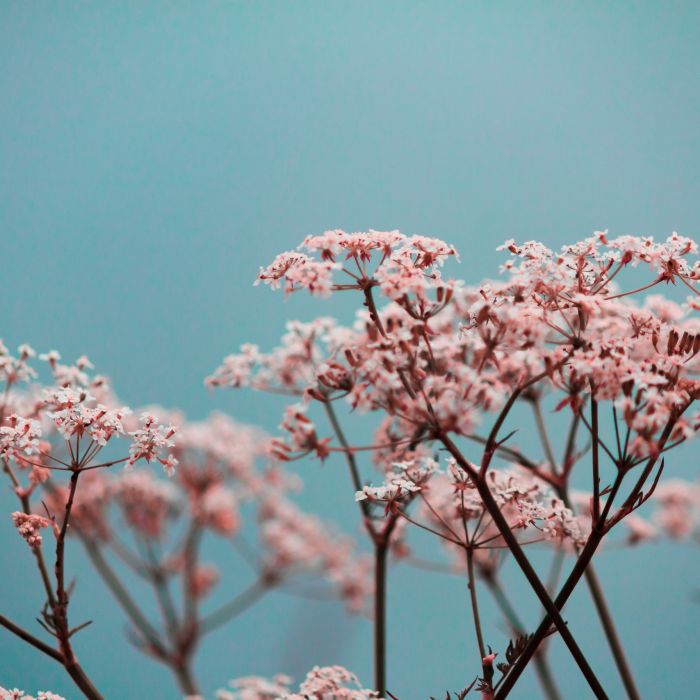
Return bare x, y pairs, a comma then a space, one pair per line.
16, 369
19, 436
321, 683
29, 526
402, 265
16, 694
677, 509
75, 414
295, 541
77, 408
145, 502
256, 688
399, 485
151, 441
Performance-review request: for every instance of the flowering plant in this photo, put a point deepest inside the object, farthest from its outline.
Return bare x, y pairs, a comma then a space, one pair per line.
449, 373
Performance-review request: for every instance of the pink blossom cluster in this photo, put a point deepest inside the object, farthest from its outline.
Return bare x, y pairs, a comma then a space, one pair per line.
296, 541
400, 263
29, 527
405, 479
256, 688
321, 683
145, 502
220, 471
76, 407
557, 314
448, 500
16, 369
75, 414
16, 694
19, 436
677, 509
151, 442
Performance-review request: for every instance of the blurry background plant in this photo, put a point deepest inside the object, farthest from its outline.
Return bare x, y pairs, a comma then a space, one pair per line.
154, 527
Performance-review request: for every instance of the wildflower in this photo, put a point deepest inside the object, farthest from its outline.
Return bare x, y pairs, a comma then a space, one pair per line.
20, 436
150, 441
29, 525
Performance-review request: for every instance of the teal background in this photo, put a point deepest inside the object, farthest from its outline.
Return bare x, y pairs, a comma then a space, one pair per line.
153, 155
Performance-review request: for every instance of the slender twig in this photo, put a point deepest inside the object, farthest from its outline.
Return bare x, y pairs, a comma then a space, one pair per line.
595, 461
471, 585
544, 672
60, 609
542, 430
234, 607
611, 634
524, 564
122, 596
380, 557
606, 620
349, 457
589, 549
31, 639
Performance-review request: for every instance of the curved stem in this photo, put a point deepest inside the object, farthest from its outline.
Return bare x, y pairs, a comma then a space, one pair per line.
349, 455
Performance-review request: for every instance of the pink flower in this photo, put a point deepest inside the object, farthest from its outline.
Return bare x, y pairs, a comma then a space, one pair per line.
74, 413
256, 688
150, 442
331, 681
21, 695
20, 436
205, 578
145, 501
29, 525
217, 509
16, 369
299, 272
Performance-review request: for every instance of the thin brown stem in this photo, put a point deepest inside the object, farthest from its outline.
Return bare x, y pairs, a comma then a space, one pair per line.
185, 679
30, 639
471, 585
544, 437
349, 457
567, 589
380, 557
120, 593
611, 634
234, 607
524, 564
607, 622
595, 461
542, 669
